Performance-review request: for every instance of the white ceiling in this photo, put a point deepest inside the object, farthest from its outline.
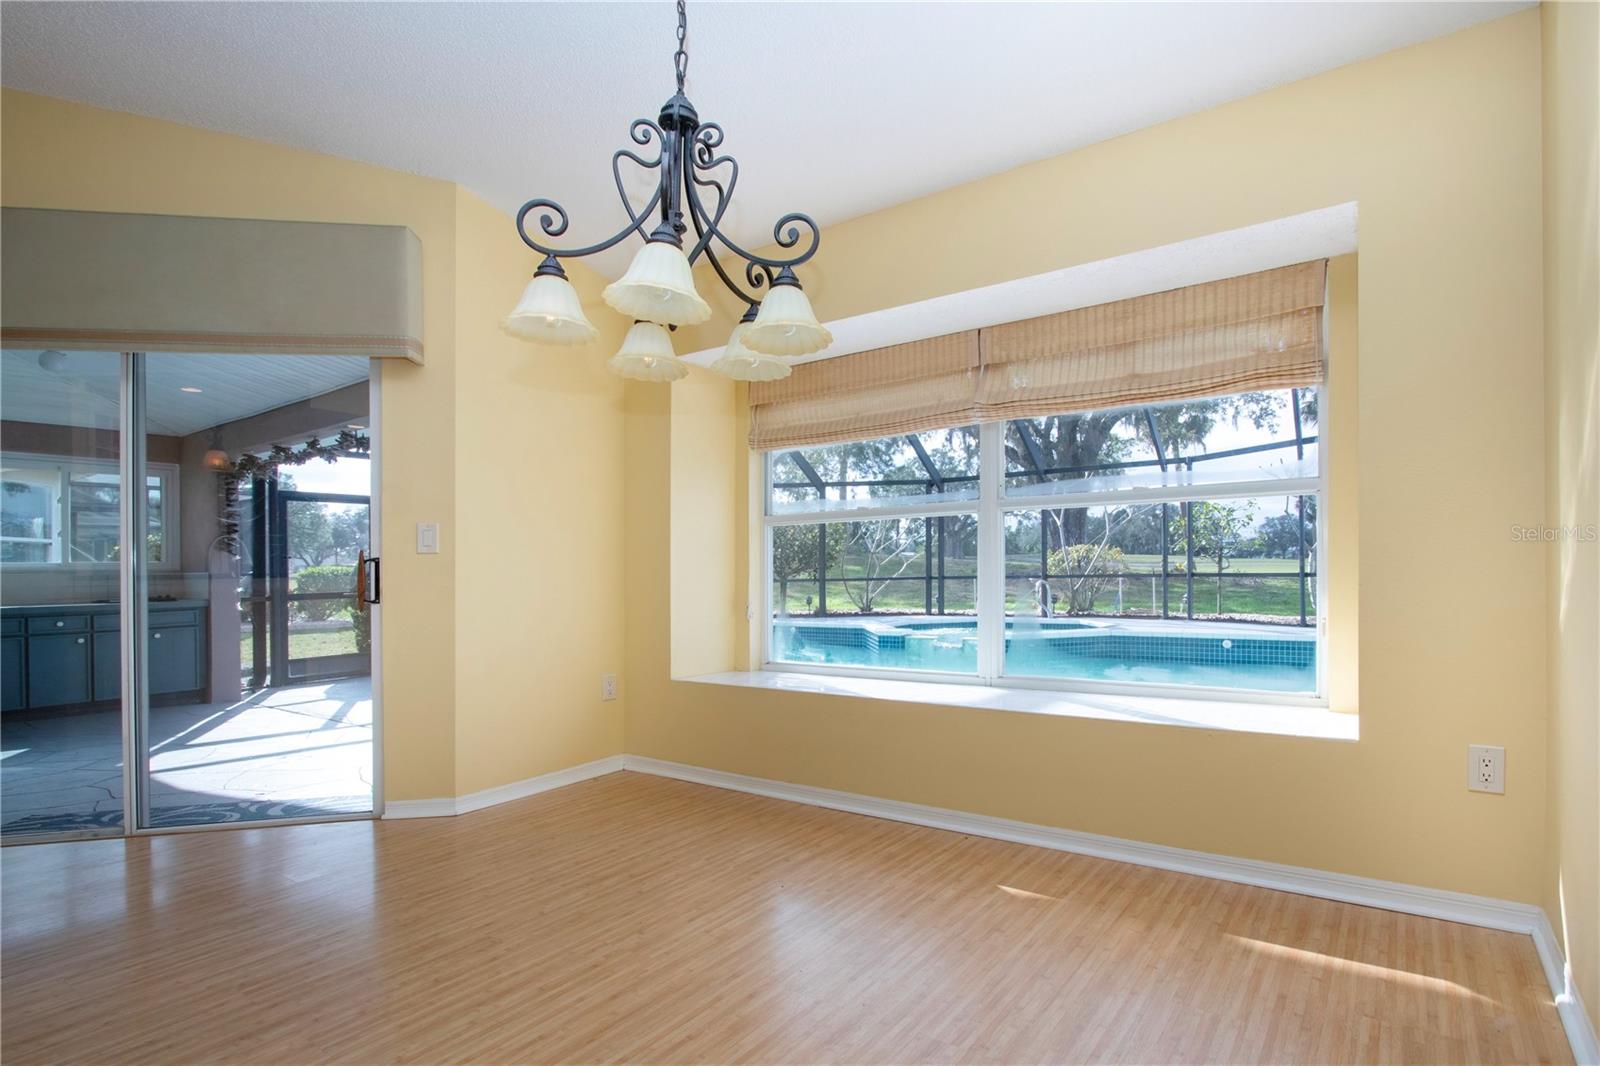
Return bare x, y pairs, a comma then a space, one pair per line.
836, 109
81, 389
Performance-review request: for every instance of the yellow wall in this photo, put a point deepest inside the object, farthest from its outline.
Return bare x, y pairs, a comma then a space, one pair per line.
647, 536
1572, 337
479, 407
538, 463
706, 533
1440, 145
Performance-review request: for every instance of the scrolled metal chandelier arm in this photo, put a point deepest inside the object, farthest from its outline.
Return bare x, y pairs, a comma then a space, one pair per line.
755, 280
756, 276
705, 161
783, 238
694, 189
641, 131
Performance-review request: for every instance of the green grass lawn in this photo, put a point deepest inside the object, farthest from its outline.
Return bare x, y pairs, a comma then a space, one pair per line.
311, 645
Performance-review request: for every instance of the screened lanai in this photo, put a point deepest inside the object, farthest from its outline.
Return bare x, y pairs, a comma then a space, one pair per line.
1087, 532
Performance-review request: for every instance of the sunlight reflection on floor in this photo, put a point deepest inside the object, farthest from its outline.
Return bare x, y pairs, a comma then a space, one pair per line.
289, 752
1360, 969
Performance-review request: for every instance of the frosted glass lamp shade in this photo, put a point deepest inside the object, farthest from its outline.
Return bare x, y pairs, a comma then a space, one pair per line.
550, 313
659, 287
786, 325
741, 364
646, 355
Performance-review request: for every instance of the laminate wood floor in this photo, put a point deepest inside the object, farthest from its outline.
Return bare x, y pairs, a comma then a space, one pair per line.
633, 918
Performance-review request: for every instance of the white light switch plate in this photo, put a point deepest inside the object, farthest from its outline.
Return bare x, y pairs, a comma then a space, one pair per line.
427, 538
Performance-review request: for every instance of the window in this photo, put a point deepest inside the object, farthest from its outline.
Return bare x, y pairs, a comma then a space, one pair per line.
847, 476
1171, 547
29, 515
67, 511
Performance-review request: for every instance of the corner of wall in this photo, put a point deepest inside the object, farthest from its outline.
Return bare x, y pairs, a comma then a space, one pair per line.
1571, 128
1342, 554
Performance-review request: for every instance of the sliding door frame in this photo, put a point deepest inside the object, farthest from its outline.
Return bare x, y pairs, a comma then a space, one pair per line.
133, 611
133, 576
375, 542
136, 758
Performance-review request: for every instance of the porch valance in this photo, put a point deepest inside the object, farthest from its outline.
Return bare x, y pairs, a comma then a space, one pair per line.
101, 281
1258, 331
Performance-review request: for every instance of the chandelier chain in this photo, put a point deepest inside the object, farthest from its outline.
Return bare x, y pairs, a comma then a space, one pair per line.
680, 58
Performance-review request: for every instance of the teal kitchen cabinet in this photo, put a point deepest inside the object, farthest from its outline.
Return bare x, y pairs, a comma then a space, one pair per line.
176, 659
107, 652
58, 656
13, 652
58, 669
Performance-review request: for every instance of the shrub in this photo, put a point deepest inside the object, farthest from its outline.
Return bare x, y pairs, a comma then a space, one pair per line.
325, 579
1100, 566
361, 623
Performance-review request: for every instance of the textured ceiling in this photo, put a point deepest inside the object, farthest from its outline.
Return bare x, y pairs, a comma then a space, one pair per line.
833, 109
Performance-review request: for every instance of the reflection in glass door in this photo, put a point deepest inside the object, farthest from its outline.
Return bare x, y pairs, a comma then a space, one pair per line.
61, 729
260, 665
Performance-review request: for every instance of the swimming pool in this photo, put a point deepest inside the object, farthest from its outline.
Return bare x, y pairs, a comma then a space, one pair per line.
1150, 651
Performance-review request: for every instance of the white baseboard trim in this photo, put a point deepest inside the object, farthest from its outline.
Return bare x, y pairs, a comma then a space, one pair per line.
1574, 1018
532, 786
434, 808
1387, 895
1344, 888
490, 797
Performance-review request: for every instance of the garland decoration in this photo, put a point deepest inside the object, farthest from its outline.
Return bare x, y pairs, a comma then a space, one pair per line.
347, 444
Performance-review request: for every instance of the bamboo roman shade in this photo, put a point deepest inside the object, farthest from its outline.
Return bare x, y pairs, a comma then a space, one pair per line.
125, 282
900, 389
1258, 331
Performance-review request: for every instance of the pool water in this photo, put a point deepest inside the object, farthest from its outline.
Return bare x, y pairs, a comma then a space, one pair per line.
1232, 656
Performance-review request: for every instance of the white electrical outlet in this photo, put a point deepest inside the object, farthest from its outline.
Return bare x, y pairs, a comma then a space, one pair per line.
608, 686
1486, 768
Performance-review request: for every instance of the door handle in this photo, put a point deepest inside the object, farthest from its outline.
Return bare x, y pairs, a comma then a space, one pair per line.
369, 587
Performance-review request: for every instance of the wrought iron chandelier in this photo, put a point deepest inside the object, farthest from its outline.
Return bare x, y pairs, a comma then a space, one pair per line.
693, 189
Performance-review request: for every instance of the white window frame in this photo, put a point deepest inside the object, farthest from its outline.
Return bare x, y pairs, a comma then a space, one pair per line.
989, 511
65, 467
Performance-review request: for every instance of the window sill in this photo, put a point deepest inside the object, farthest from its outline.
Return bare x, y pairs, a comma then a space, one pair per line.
1240, 717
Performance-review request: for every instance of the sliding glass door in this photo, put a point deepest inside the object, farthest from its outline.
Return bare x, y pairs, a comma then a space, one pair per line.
198, 652
62, 770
